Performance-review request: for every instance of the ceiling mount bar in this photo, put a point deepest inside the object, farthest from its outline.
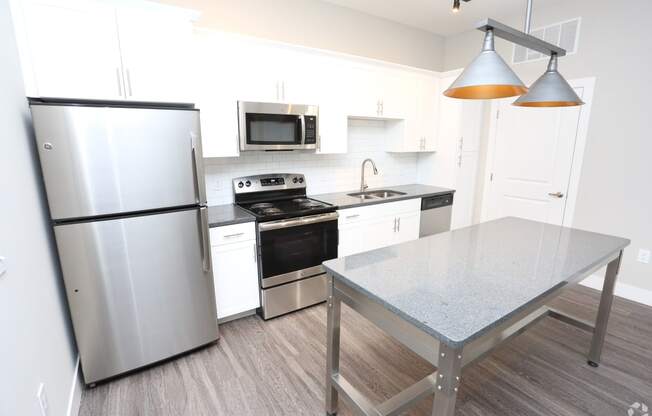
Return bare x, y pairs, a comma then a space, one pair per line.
516, 36
528, 17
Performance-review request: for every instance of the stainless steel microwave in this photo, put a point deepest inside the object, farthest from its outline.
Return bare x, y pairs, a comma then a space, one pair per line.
276, 126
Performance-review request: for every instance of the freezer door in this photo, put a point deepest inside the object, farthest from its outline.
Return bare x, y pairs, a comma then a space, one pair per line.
109, 160
139, 289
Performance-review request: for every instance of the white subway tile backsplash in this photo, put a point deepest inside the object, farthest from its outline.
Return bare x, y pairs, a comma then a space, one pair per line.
324, 173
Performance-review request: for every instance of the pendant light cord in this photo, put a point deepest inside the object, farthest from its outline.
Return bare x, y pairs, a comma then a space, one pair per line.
528, 17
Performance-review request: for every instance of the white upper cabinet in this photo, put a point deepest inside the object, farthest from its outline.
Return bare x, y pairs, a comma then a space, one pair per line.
155, 55
332, 92
420, 103
216, 93
95, 50
428, 106
377, 92
69, 49
364, 92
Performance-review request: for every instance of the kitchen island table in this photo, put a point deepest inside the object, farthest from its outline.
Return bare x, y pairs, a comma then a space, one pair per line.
454, 297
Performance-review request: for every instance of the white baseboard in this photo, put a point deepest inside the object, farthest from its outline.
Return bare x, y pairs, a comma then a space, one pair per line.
74, 399
623, 290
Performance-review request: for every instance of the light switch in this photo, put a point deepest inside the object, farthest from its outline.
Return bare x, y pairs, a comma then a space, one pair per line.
3, 266
643, 256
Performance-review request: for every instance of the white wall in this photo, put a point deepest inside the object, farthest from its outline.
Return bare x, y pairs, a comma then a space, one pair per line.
614, 46
321, 25
324, 173
36, 343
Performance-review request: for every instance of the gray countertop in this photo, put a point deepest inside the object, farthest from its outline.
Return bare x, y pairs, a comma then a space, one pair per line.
342, 200
458, 285
219, 215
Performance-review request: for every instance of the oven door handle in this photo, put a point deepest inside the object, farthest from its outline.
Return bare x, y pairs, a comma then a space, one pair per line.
296, 222
302, 118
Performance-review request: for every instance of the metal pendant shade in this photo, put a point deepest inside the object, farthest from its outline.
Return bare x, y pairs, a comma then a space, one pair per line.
487, 77
550, 90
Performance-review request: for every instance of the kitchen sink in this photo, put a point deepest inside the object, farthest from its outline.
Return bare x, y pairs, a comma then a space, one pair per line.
363, 195
382, 194
385, 193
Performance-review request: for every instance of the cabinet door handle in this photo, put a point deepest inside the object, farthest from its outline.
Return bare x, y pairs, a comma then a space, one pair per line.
399, 224
278, 94
129, 83
117, 73
255, 254
394, 224
556, 194
382, 107
348, 217
283, 89
233, 235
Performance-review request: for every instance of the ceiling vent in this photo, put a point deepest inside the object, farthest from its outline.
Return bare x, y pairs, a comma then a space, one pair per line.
563, 34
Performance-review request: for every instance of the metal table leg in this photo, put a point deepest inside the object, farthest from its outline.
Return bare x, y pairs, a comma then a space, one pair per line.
333, 348
448, 381
604, 310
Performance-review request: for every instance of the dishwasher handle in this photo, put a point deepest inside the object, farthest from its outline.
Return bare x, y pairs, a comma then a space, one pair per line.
437, 201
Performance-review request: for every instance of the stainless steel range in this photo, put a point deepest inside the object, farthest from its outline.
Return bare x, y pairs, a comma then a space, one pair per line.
295, 235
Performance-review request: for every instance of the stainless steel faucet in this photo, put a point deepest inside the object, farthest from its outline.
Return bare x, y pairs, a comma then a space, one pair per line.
363, 185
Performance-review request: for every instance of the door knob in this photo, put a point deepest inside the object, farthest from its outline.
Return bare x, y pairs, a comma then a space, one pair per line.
556, 194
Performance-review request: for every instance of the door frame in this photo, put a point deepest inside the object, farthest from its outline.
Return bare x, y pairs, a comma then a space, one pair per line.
578, 152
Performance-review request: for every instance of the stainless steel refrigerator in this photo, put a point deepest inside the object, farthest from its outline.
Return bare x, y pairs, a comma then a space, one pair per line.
125, 187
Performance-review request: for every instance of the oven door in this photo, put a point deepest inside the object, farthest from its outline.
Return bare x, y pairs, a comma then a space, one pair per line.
273, 126
294, 249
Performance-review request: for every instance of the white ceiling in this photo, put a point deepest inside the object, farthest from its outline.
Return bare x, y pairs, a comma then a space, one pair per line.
435, 15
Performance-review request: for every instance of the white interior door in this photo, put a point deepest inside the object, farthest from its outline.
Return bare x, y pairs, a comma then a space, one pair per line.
532, 161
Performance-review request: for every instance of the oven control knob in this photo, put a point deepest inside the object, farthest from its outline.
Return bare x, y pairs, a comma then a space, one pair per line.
240, 184
248, 183
300, 180
295, 180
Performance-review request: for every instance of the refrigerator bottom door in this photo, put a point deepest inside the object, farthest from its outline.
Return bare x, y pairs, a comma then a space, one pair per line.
137, 289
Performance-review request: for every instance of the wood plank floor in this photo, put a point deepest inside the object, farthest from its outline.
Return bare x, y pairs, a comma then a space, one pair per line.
277, 368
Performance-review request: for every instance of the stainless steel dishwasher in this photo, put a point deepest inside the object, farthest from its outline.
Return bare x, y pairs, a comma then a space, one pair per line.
436, 214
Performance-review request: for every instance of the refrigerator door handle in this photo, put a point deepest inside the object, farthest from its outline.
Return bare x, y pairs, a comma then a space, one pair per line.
198, 164
205, 242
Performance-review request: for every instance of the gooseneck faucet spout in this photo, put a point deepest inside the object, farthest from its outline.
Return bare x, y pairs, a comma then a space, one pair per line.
363, 185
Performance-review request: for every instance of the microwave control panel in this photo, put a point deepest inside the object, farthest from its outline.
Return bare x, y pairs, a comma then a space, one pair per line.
311, 129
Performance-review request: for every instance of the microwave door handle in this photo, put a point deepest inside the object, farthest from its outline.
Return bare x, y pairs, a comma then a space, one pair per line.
303, 128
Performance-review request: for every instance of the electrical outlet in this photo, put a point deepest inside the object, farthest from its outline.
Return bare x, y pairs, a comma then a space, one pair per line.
644, 256
42, 400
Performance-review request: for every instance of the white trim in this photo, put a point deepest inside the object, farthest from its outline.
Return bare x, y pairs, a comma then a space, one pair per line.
623, 290
74, 398
580, 147
578, 153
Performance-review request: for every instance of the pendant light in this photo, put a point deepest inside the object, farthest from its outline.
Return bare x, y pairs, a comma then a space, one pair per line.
550, 90
488, 76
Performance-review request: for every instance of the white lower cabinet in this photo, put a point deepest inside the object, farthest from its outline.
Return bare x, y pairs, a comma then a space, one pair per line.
375, 226
235, 268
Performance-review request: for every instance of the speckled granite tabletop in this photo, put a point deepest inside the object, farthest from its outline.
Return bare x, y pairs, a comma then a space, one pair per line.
458, 285
219, 215
342, 200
